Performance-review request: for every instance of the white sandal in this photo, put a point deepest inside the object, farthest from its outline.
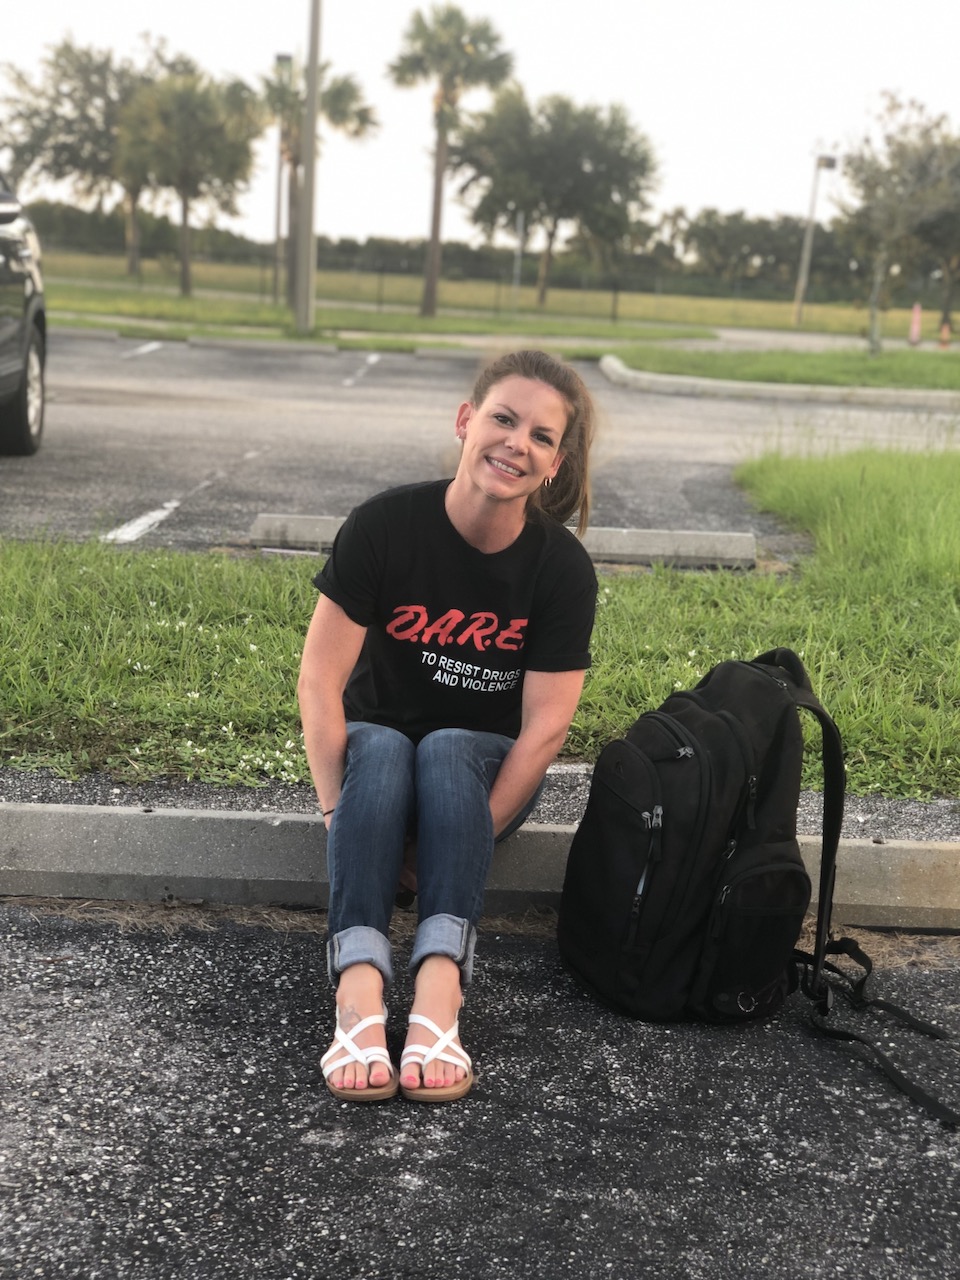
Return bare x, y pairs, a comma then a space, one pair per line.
353, 1053
443, 1050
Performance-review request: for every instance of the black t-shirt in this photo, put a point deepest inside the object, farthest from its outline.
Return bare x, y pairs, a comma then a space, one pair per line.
451, 630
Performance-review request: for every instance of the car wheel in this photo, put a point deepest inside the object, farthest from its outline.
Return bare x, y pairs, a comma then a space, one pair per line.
21, 418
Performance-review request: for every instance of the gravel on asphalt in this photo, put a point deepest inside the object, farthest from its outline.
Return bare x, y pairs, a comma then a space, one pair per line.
162, 1115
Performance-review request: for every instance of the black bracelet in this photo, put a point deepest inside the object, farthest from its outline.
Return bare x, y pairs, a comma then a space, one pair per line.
325, 813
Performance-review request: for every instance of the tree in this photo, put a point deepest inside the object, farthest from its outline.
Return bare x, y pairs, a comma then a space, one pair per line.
67, 124
901, 180
733, 247
723, 244
457, 55
341, 104
939, 234
556, 164
197, 136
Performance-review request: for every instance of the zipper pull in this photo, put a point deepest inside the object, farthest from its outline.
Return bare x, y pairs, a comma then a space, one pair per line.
656, 824
718, 914
751, 800
638, 895
685, 753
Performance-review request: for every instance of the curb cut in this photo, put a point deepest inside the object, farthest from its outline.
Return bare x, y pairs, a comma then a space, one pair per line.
157, 855
666, 384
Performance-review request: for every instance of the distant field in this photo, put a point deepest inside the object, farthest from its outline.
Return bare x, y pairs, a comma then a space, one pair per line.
375, 291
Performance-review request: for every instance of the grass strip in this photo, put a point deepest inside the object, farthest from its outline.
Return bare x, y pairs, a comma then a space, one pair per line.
161, 663
930, 370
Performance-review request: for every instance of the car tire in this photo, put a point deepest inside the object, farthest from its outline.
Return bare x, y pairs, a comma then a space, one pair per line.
21, 418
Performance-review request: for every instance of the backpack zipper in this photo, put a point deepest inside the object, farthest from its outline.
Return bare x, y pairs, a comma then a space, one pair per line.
653, 822
752, 801
687, 743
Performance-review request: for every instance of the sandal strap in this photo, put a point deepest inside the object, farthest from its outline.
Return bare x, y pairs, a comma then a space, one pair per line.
422, 1054
352, 1051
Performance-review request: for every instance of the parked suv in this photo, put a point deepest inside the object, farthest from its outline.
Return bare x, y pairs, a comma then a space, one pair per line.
23, 329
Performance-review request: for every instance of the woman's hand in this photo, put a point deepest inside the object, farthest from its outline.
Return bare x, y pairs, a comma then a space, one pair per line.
330, 653
549, 701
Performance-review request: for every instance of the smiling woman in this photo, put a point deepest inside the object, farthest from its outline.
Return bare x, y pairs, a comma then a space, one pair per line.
440, 674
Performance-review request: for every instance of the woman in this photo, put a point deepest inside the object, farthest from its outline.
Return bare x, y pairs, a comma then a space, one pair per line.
440, 673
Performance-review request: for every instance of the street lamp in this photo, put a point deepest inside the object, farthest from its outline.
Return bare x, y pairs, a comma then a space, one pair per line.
282, 65
823, 162
306, 235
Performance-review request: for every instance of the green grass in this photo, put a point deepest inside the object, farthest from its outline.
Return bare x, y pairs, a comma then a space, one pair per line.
875, 613
150, 663
935, 370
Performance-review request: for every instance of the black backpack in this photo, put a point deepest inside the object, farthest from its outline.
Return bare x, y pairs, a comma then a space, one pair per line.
685, 892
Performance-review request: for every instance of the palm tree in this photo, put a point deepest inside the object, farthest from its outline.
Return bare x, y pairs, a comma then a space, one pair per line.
341, 105
457, 55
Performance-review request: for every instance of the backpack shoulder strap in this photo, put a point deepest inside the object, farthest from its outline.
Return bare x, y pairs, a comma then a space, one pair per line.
834, 786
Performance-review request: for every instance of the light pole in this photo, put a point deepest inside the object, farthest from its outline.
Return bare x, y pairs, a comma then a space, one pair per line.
281, 65
518, 259
306, 236
823, 162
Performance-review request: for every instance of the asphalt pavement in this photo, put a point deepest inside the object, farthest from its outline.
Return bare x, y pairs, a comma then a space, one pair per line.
163, 1115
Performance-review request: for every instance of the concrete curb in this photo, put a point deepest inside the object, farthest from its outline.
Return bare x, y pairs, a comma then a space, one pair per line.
692, 548
263, 344
89, 851
663, 384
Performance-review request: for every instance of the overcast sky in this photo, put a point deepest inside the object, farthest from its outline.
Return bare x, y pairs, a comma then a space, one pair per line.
736, 96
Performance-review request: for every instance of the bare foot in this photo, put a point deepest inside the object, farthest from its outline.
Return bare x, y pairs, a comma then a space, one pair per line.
437, 996
360, 994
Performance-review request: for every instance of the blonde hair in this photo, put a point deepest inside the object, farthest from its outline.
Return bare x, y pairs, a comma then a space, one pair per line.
568, 495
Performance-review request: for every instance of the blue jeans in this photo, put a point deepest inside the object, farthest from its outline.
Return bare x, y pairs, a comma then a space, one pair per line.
439, 792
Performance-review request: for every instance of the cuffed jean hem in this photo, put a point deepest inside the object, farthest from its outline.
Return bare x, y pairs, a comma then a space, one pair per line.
359, 945
444, 935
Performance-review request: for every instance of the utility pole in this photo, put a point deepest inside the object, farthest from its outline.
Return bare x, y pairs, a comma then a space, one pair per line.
282, 65
306, 235
823, 162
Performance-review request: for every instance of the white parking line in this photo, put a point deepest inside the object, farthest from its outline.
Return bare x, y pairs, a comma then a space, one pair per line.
147, 349
135, 529
371, 360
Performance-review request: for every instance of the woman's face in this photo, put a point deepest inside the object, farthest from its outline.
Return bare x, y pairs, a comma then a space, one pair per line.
512, 441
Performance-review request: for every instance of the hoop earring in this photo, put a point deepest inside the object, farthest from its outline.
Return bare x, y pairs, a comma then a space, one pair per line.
548, 482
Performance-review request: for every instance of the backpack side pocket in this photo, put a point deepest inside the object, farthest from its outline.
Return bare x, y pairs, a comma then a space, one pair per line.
746, 968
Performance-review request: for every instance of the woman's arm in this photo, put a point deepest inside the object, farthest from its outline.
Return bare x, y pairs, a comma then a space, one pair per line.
330, 653
549, 700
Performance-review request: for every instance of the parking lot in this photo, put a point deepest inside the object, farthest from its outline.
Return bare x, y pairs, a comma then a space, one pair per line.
184, 445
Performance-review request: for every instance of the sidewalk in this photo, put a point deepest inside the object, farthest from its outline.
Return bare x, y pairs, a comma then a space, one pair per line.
164, 854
